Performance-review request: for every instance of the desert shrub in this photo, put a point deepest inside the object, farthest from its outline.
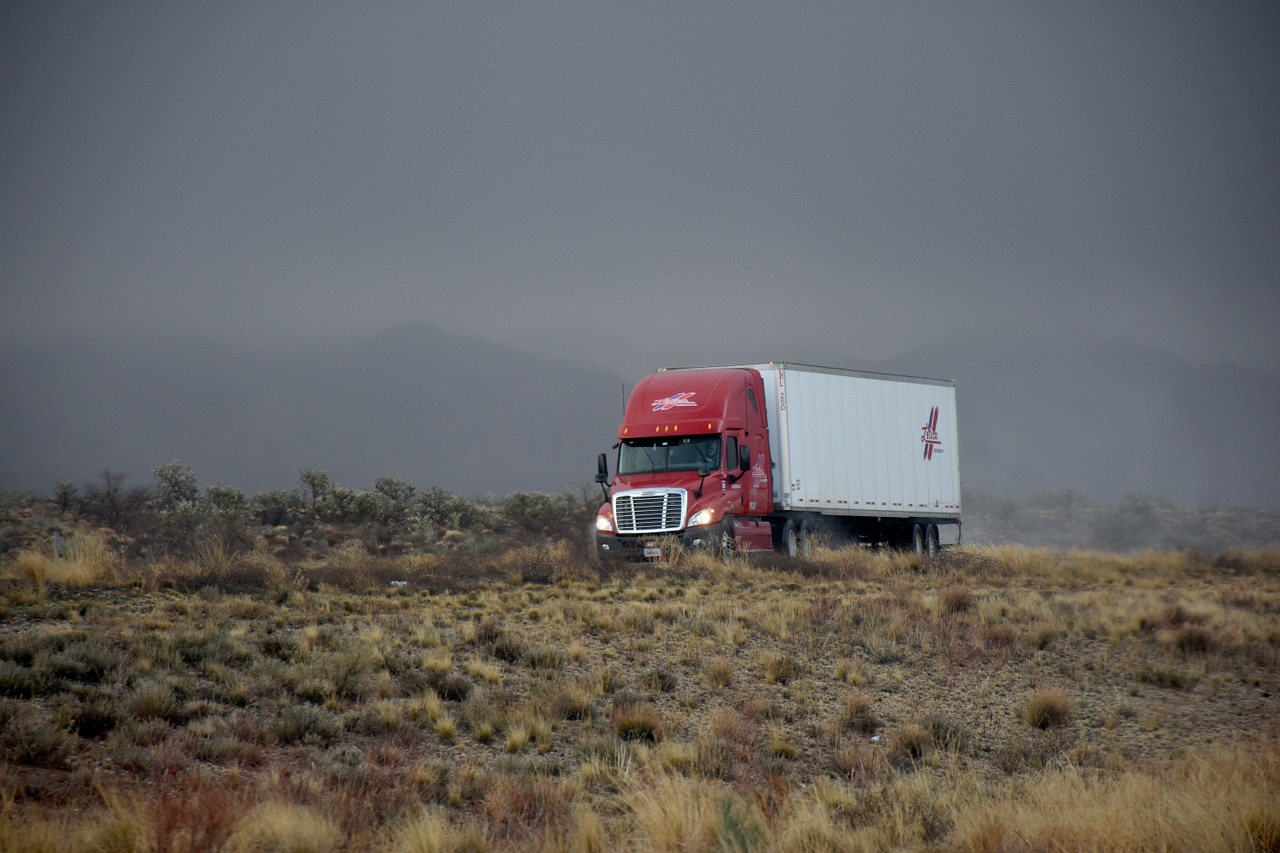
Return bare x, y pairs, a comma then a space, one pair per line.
543, 515
111, 504
660, 679
544, 657
17, 680
720, 672
909, 745
276, 508
152, 700
1165, 676
95, 717
507, 648
336, 504
306, 724
945, 733
1047, 708
1171, 616
226, 501
66, 497
83, 661
637, 721
541, 563
175, 484
367, 508
33, 738
379, 718
956, 599
315, 484
395, 497
440, 508
452, 687
1188, 639
780, 668
565, 700
856, 715
516, 804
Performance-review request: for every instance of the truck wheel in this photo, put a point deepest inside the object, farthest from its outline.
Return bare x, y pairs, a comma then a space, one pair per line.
917, 539
931, 546
724, 543
790, 539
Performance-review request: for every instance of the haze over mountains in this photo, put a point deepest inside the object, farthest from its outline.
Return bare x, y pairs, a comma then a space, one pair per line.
477, 417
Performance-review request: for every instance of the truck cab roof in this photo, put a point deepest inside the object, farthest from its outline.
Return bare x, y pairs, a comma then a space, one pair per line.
690, 402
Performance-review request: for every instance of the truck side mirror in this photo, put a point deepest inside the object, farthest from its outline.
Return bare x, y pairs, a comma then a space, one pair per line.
602, 469
744, 458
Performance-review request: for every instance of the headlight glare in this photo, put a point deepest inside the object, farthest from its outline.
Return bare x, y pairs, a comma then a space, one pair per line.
701, 517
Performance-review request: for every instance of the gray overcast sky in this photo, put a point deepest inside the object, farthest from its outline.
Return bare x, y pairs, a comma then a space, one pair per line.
578, 177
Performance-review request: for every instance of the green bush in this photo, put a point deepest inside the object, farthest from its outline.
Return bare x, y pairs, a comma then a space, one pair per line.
542, 514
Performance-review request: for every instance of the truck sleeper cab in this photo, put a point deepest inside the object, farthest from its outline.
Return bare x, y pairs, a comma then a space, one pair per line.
692, 464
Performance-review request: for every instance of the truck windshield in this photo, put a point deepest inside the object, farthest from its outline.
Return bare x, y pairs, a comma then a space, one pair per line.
660, 455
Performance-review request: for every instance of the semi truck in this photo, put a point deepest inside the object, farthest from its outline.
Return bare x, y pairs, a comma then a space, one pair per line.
780, 456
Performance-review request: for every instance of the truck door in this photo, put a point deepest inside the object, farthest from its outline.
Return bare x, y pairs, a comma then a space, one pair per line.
756, 480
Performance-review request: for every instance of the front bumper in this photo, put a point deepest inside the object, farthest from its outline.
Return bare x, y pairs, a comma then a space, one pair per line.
630, 546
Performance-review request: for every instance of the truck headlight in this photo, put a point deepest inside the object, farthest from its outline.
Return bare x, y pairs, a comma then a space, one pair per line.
701, 517
604, 524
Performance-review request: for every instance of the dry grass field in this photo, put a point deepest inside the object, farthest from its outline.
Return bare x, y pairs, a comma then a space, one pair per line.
991, 699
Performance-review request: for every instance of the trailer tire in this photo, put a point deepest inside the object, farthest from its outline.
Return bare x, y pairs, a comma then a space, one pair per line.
916, 543
931, 546
811, 532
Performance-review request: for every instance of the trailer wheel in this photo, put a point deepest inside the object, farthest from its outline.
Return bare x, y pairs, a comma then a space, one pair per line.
931, 546
790, 540
917, 539
811, 533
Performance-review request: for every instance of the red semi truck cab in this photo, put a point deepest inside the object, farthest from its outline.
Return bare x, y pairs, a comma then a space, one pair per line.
693, 462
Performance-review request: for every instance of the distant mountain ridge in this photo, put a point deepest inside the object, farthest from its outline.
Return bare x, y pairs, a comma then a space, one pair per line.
416, 402
436, 407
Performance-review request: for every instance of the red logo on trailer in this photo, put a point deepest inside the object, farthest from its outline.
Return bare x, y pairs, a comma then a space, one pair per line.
930, 437
675, 401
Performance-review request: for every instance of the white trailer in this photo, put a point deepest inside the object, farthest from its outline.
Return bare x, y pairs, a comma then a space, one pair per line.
870, 454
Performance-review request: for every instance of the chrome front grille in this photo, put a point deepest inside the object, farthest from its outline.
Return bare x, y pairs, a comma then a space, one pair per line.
649, 511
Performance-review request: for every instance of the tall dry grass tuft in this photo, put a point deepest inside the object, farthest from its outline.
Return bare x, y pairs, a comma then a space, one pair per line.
109, 829
811, 827
675, 813
517, 805
1015, 559
638, 721
87, 560
30, 566
276, 827
1047, 708
83, 559
429, 831
1217, 800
